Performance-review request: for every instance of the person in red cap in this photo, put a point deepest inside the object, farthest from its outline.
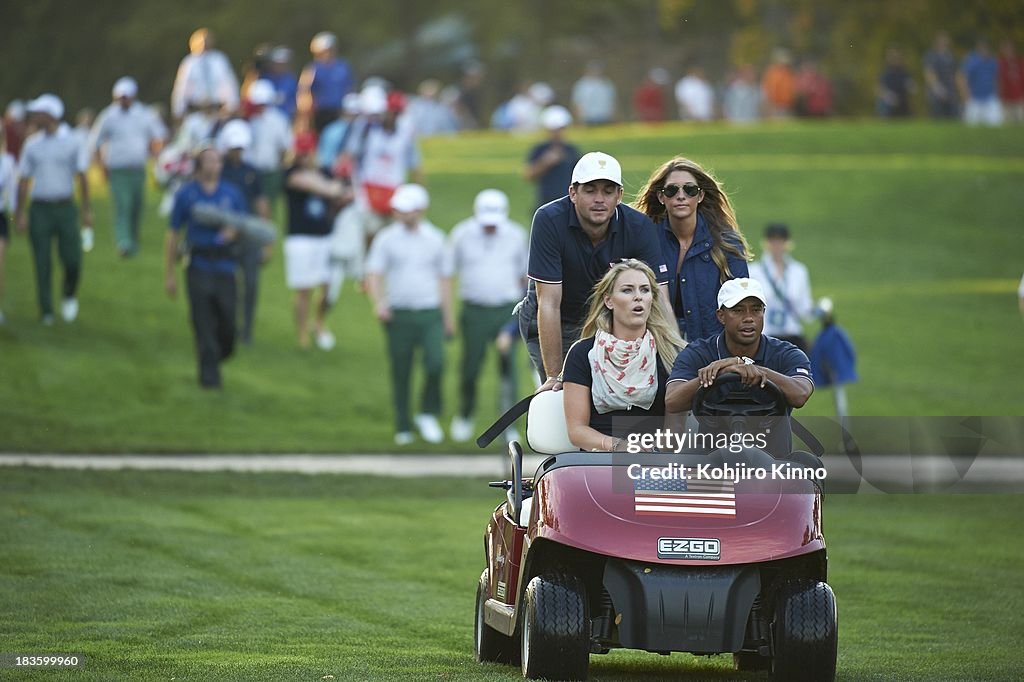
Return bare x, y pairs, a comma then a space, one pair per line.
313, 198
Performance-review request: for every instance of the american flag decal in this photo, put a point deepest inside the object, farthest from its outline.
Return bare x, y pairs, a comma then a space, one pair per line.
679, 497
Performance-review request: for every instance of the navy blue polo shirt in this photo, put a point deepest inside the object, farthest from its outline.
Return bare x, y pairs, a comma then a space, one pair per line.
775, 354
562, 253
209, 252
554, 183
246, 178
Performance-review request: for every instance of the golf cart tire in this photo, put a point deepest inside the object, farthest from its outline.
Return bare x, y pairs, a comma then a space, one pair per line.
805, 632
555, 629
489, 645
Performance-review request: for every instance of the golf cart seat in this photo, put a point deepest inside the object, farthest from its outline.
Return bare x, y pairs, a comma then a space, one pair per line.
546, 432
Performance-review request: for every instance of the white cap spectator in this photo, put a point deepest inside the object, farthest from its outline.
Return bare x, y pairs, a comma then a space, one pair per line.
125, 87
555, 117
351, 103
236, 134
262, 93
48, 104
373, 100
410, 197
491, 207
323, 41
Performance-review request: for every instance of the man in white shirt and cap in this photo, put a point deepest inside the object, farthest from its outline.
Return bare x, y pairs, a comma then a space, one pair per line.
409, 283
271, 138
51, 161
489, 254
125, 134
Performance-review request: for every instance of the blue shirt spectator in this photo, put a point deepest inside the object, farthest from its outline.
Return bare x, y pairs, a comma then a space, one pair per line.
980, 71
554, 182
209, 251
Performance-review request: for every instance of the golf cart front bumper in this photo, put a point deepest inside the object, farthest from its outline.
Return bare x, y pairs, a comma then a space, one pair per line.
697, 609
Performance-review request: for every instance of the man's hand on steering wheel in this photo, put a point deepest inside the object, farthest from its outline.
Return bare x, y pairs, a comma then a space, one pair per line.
749, 374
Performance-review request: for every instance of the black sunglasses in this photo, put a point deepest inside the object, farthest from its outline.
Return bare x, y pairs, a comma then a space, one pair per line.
689, 189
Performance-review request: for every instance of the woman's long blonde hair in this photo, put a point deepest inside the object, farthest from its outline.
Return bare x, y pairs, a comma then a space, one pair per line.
715, 208
599, 317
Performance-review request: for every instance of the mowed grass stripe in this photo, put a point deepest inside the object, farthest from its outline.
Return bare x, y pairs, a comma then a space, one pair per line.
280, 576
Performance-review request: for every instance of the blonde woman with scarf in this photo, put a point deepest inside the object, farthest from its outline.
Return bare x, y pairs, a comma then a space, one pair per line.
615, 375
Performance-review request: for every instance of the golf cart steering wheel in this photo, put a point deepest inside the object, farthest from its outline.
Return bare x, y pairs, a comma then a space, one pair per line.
727, 397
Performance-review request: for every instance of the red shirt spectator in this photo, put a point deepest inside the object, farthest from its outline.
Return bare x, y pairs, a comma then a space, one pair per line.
649, 101
1011, 74
813, 91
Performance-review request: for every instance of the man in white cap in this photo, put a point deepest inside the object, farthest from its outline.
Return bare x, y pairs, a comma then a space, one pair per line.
323, 83
271, 138
205, 75
408, 279
573, 242
233, 141
741, 348
382, 153
51, 160
125, 134
488, 252
550, 163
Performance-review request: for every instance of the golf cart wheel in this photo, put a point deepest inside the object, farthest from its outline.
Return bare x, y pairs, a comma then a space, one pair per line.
805, 632
555, 629
489, 645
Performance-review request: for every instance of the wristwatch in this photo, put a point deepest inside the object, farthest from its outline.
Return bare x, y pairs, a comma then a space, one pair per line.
745, 360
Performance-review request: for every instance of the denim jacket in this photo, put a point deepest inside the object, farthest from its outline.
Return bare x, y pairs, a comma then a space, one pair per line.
693, 289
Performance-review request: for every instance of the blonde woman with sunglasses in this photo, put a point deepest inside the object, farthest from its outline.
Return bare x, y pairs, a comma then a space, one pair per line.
701, 241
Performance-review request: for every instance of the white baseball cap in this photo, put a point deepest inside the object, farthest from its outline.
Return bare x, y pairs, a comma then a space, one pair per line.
351, 103
235, 134
735, 290
541, 93
281, 55
491, 207
373, 100
125, 87
597, 166
555, 117
410, 197
262, 92
324, 40
47, 104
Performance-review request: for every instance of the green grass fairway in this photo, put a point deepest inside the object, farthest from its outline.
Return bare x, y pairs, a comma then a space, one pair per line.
271, 577
912, 228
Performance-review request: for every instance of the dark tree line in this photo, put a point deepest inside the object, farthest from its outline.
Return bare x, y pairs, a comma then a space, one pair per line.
78, 49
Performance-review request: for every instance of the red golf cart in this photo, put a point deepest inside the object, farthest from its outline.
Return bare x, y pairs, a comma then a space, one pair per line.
604, 550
